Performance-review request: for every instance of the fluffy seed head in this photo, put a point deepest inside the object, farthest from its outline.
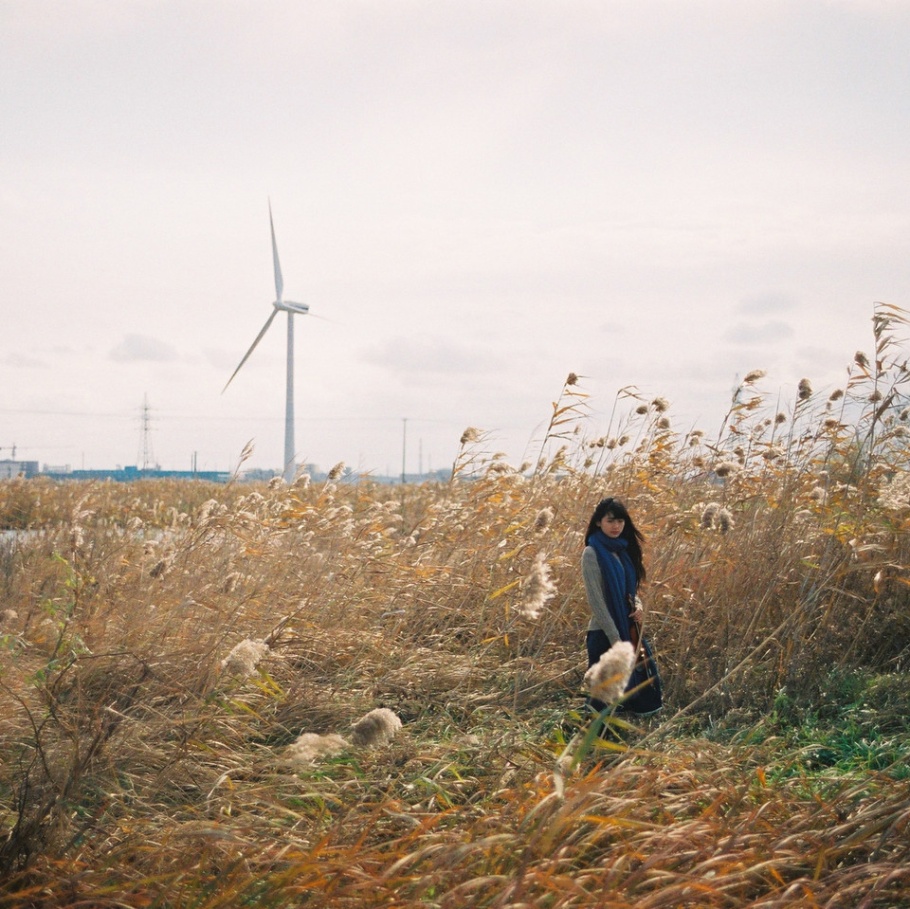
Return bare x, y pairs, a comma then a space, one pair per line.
310, 747
543, 519
536, 589
804, 390
723, 520
708, 515
608, 677
895, 496
244, 658
375, 728
753, 376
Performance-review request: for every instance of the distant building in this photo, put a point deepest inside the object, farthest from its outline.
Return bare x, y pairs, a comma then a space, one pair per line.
10, 469
130, 474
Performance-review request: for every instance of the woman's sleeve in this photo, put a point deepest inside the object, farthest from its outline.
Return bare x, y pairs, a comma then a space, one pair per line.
594, 588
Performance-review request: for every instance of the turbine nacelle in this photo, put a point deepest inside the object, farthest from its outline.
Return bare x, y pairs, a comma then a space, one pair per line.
288, 306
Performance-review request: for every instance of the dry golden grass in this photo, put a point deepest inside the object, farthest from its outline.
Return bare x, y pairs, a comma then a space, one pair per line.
147, 751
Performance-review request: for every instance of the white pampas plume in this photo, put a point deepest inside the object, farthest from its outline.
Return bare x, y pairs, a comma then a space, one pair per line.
206, 510
310, 747
895, 496
375, 728
608, 677
543, 519
717, 518
244, 658
709, 514
536, 589
725, 468
723, 521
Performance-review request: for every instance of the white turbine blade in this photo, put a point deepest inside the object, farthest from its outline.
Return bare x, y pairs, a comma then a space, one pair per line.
246, 356
279, 281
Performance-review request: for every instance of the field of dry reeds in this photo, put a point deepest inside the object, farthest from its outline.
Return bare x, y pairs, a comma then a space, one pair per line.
185, 669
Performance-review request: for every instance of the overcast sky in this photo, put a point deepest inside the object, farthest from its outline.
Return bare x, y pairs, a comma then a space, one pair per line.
475, 197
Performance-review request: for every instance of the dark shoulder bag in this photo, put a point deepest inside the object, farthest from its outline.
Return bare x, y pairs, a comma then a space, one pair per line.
644, 684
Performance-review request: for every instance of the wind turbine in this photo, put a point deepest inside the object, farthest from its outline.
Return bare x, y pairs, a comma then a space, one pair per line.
292, 309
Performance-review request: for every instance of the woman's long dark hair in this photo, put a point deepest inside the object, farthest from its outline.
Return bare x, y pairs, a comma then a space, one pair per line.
630, 533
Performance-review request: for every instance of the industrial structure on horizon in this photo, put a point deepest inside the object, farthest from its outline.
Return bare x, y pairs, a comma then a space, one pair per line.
10, 469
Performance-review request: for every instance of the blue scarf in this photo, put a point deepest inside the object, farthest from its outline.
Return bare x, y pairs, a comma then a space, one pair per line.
620, 580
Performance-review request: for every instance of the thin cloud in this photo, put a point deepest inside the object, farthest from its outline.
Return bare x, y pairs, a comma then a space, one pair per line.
142, 347
428, 355
767, 304
21, 361
766, 333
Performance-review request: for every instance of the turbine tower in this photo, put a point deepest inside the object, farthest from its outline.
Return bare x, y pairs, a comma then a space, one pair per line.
292, 309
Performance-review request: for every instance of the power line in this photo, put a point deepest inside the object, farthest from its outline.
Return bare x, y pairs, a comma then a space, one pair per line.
219, 418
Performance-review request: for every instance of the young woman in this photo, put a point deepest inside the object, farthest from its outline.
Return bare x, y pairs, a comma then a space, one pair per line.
612, 566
